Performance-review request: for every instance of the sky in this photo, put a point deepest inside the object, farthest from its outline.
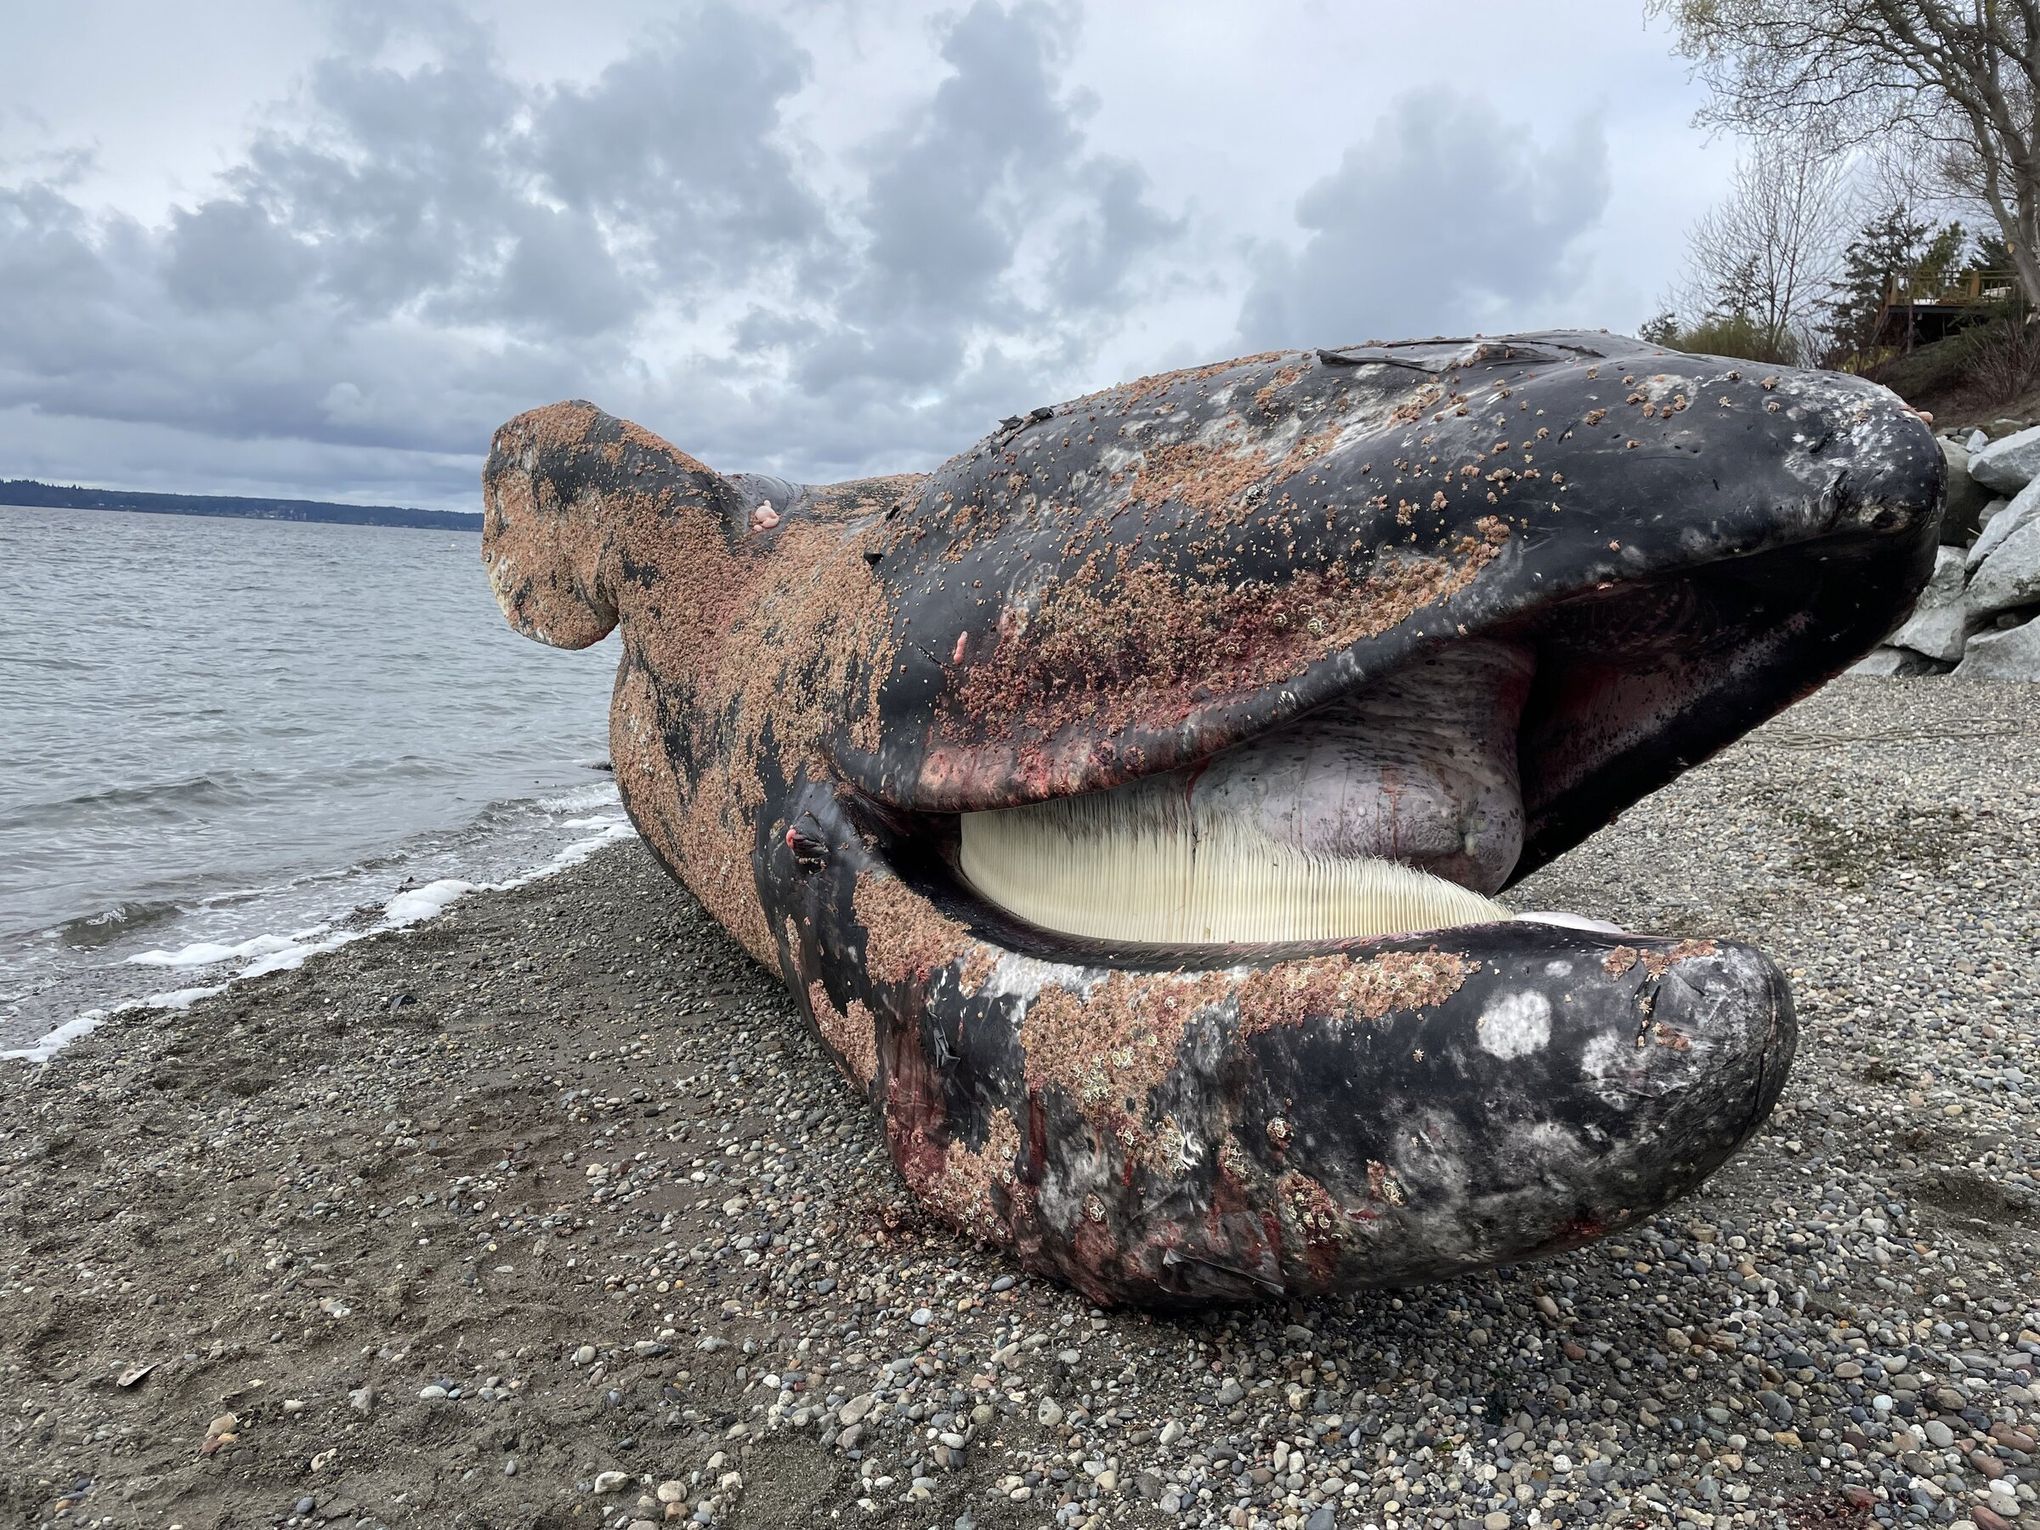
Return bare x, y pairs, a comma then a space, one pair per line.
323, 249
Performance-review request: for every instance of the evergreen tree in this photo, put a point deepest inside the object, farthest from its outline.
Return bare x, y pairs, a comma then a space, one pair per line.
1662, 330
1884, 252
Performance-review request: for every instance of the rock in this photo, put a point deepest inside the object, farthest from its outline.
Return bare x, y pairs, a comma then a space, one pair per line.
1940, 619
1939, 1435
1322, 1518
611, 1482
2009, 574
1230, 1393
854, 1411
1050, 1412
672, 1491
1966, 497
1901, 662
1172, 1431
2015, 513
2011, 655
1938, 634
1977, 442
921, 1317
2001, 427
2008, 464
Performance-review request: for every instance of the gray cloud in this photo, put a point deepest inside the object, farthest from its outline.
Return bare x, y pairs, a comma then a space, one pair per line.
419, 240
1443, 218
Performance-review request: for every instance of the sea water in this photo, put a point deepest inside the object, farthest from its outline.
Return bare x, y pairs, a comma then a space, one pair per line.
225, 744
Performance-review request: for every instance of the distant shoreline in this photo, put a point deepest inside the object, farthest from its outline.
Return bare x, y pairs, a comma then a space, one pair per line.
29, 494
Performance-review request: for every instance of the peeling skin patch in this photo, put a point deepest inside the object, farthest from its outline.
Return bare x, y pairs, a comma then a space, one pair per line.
1342, 987
906, 940
1515, 1024
1142, 636
1115, 1045
851, 1036
1214, 481
967, 1185
1656, 962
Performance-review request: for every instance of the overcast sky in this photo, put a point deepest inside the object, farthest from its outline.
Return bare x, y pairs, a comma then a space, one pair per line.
325, 248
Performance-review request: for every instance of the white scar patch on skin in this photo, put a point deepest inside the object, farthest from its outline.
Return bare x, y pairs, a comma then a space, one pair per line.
1601, 1066
1515, 1024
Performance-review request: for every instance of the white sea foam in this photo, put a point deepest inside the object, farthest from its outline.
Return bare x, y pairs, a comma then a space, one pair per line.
207, 953
47, 1046
408, 907
279, 953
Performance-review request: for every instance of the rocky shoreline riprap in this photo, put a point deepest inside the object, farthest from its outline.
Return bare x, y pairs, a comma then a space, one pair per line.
1979, 616
549, 1214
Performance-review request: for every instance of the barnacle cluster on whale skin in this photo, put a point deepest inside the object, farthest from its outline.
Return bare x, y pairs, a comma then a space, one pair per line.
1125, 802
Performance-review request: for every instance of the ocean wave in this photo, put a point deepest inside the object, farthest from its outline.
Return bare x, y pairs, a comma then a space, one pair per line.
88, 931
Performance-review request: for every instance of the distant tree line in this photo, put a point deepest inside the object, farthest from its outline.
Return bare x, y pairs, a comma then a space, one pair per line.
28, 492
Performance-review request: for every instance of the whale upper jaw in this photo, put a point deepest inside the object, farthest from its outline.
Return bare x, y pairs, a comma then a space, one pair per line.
1686, 545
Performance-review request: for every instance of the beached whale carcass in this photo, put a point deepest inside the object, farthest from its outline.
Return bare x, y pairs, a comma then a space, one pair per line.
1123, 801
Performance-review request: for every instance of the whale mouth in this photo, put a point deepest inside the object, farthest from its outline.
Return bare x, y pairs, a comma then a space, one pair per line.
1404, 805
1395, 809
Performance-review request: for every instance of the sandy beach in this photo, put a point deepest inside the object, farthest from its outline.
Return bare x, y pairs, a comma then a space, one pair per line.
547, 1214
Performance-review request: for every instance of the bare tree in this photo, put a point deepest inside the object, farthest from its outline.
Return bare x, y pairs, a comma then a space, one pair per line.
1763, 257
1953, 81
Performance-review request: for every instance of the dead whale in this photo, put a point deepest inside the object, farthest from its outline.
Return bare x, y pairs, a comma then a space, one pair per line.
1124, 800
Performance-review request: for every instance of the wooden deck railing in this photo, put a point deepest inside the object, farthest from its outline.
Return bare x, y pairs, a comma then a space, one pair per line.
1959, 289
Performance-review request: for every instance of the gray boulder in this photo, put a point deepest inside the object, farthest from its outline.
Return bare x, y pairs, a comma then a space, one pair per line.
2013, 654
1940, 619
1884, 662
2001, 523
2009, 575
1966, 497
1977, 441
2008, 465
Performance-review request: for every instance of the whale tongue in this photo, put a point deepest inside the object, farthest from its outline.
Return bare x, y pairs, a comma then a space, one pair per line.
1418, 767
1393, 810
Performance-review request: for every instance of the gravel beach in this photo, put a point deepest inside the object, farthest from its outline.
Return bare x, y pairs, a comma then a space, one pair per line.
548, 1214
